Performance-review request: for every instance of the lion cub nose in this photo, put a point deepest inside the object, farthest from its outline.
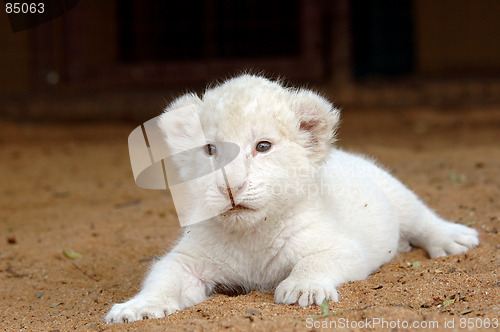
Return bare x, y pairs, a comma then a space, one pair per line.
234, 190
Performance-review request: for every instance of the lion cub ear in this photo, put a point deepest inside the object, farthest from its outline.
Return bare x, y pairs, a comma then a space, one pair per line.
318, 121
180, 123
187, 100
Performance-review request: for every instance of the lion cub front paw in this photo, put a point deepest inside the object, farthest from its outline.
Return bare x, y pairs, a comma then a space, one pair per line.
137, 309
304, 293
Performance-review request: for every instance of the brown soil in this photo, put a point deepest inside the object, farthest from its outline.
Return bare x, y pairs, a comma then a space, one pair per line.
71, 187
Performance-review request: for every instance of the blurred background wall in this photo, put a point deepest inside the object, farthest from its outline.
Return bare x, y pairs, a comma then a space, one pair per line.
125, 59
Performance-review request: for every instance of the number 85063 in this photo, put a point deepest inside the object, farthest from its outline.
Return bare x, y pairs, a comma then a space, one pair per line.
24, 8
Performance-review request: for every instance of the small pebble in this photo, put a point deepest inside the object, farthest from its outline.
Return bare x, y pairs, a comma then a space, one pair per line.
253, 312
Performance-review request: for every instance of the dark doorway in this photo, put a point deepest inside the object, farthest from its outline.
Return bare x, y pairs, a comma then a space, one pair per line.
383, 42
198, 30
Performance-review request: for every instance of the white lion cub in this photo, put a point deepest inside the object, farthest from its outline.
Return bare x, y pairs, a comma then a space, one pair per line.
303, 217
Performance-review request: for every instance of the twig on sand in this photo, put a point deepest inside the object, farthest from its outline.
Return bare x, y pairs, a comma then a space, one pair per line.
85, 273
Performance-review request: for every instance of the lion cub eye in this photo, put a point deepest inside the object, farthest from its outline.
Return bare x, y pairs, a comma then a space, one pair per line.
210, 149
263, 146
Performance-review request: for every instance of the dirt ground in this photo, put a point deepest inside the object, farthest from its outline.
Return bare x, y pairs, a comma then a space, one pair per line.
68, 187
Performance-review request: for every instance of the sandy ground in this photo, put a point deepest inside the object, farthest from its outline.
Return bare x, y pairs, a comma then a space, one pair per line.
71, 187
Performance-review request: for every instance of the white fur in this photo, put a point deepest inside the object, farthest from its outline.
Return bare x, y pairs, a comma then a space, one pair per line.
319, 217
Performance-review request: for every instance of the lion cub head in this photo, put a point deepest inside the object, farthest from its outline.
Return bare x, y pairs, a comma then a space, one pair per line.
281, 134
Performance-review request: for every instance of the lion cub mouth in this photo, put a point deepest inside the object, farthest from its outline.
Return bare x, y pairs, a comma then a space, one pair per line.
237, 208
